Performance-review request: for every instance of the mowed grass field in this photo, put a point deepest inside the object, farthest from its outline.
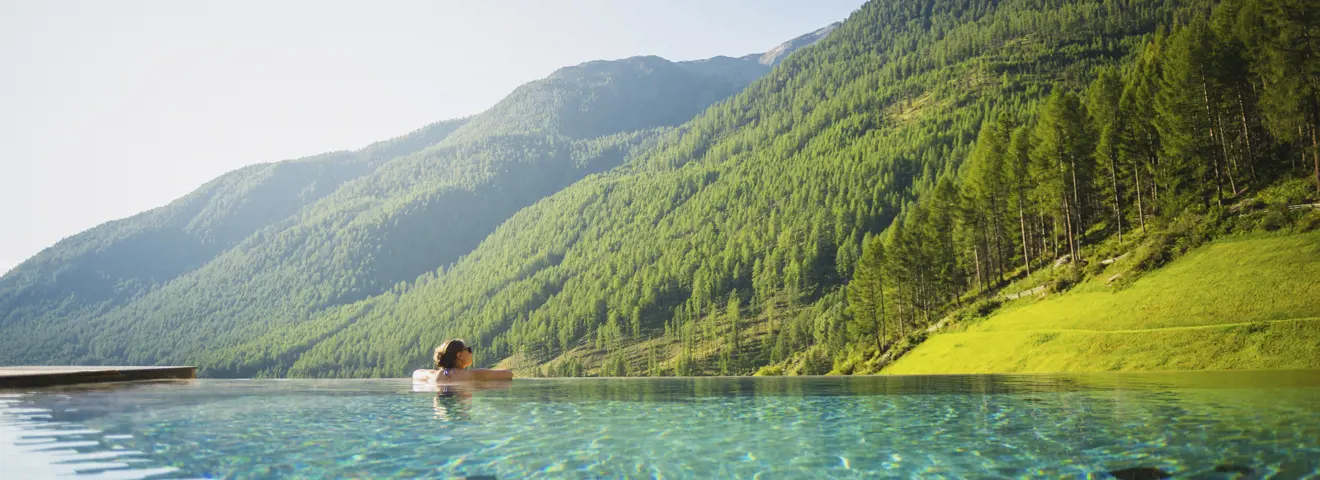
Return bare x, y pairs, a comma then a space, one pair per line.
1242, 303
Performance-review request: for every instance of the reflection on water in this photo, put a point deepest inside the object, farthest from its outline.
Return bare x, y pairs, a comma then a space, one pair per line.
1200, 425
454, 401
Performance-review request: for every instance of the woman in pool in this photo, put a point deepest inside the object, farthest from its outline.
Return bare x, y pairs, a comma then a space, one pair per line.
452, 360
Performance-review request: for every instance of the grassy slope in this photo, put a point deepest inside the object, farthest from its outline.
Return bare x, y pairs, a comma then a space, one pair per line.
1249, 302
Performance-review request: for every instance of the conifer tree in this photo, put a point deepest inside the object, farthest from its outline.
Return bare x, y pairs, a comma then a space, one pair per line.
1062, 156
1102, 105
986, 190
1140, 144
1018, 175
866, 295
1289, 66
1185, 120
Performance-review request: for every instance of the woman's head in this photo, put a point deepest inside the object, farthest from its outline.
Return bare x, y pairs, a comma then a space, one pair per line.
453, 354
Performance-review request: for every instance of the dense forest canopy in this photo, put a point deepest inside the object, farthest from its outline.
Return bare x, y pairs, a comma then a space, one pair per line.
922, 155
765, 207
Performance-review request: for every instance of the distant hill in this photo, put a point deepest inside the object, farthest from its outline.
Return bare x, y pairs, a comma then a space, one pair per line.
306, 235
113, 263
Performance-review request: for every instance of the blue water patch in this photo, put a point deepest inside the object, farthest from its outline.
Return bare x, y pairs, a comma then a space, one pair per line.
1201, 425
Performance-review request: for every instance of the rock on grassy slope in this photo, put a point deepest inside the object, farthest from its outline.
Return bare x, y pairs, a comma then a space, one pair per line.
1242, 303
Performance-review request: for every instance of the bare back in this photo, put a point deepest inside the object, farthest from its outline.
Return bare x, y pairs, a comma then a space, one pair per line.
461, 375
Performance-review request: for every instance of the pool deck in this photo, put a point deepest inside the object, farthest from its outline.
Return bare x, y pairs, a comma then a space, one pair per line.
20, 377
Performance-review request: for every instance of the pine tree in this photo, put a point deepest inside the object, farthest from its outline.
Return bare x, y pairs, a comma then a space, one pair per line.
733, 344
1140, 144
1289, 66
986, 190
866, 295
1017, 173
1185, 120
1102, 106
1062, 155
1239, 94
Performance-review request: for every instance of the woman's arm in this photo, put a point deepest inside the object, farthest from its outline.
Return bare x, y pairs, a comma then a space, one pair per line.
488, 374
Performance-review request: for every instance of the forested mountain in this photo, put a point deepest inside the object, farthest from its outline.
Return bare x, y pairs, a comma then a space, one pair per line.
922, 155
268, 247
910, 156
118, 261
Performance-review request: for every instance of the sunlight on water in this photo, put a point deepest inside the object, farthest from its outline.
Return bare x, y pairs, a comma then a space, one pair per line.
1204, 425
35, 445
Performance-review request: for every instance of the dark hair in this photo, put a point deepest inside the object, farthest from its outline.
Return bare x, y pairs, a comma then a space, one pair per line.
447, 354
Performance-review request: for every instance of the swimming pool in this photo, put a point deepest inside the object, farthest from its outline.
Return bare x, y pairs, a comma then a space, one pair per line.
1207, 424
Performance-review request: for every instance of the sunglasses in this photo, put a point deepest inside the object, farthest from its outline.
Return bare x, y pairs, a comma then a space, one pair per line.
445, 349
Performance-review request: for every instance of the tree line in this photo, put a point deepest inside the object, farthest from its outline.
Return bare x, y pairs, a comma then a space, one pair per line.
765, 201
1219, 105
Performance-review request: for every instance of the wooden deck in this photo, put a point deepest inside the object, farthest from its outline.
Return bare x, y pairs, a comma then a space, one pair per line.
20, 377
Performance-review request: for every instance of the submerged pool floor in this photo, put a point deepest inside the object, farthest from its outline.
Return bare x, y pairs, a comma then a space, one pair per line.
1201, 425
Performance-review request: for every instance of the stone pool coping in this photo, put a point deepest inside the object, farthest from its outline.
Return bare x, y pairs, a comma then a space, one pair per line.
45, 376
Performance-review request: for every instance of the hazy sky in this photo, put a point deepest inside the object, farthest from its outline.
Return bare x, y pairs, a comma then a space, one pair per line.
111, 108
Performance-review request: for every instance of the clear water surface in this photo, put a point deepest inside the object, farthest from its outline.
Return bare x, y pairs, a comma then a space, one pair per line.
1184, 425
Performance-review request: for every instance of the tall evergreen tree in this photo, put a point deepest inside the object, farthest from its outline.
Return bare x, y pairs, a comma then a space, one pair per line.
1140, 144
1186, 119
1289, 66
1102, 106
1243, 133
1018, 173
1062, 155
866, 295
987, 191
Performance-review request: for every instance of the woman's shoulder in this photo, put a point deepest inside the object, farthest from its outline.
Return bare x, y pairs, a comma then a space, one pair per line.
462, 375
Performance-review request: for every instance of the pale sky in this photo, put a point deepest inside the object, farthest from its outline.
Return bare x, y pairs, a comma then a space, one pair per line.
109, 108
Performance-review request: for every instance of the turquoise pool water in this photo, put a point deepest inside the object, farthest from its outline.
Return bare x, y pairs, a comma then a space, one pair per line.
1193, 425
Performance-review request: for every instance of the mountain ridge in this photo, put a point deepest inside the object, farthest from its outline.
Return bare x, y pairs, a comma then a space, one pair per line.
661, 93
773, 56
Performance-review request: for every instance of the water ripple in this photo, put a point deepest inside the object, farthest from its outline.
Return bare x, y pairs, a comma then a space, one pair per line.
928, 427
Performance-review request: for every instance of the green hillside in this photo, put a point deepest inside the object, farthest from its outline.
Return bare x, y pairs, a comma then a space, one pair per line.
921, 158
184, 282
728, 245
755, 213
1237, 303
114, 263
